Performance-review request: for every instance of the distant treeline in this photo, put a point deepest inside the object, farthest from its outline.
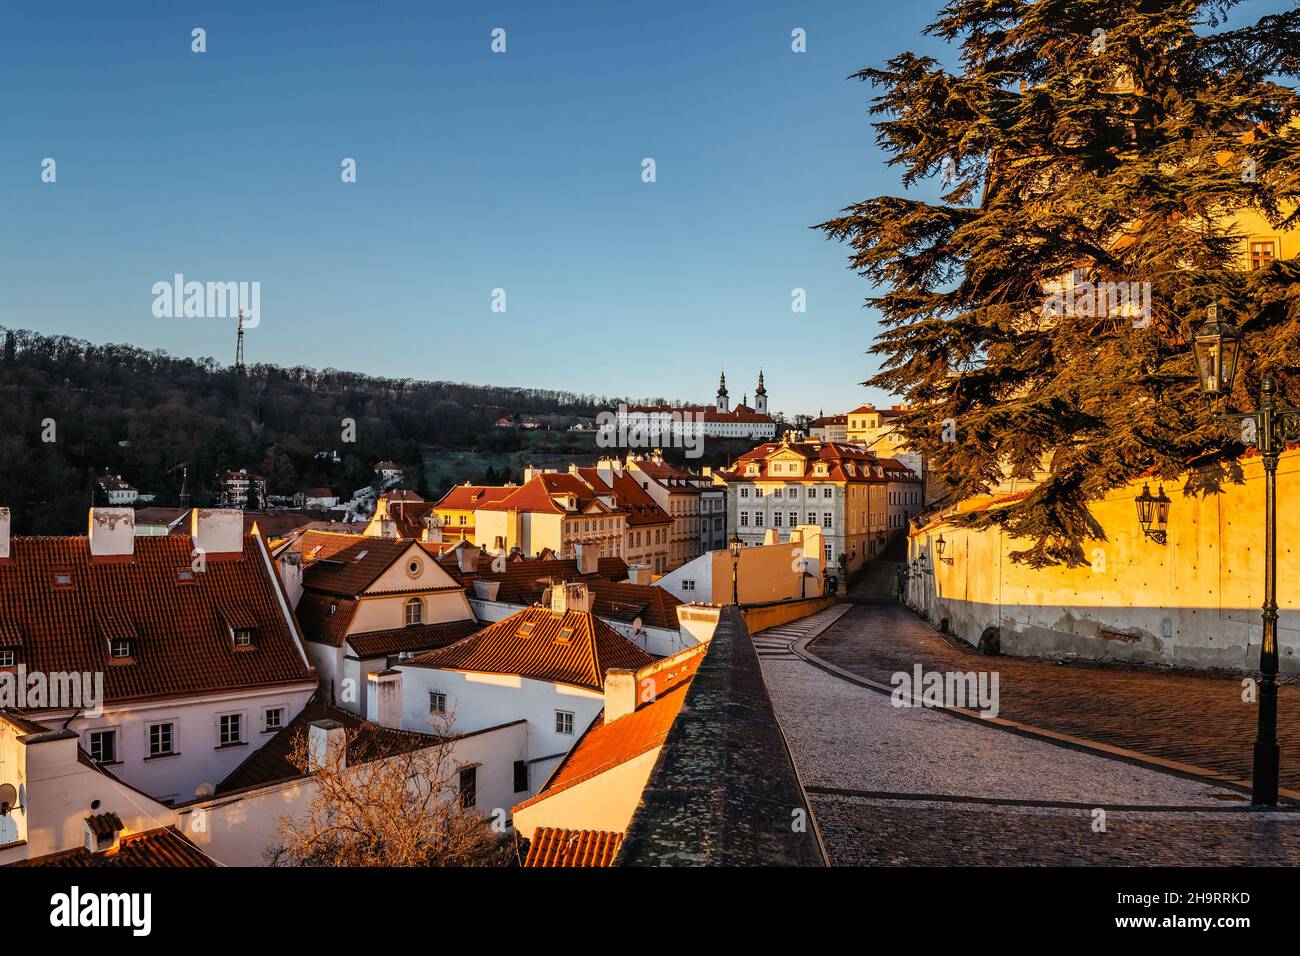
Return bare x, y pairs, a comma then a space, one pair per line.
70, 410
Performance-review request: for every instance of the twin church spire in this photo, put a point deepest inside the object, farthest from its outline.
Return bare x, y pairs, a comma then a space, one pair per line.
760, 394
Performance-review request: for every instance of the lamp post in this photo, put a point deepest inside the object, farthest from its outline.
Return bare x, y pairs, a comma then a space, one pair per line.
939, 545
1218, 347
734, 546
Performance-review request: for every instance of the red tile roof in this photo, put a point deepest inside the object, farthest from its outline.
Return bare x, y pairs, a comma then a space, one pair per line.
627, 602
165, 847
325, 618
351, 570
635, 501
835, 455
420, 637
604, 746
270, 763
546, 653
553, 846
525, 580
178, 626
470, 497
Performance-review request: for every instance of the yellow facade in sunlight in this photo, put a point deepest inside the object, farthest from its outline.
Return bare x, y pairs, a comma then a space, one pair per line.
1193, 601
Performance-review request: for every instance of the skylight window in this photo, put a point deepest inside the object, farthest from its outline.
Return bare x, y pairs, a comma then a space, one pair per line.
184, 576
360, 555
565, 635
526, 629
62, 579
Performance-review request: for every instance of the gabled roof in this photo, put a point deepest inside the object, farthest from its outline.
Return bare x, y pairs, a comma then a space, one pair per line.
533, 643
325, 618
635, 501
164, 847
524, 581
626, 602
469, 497
367, 741
554, 846
350, 571
604, 746
538, 495
178, 620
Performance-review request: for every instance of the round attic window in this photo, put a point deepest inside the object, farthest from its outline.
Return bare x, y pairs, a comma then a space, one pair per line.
413, 568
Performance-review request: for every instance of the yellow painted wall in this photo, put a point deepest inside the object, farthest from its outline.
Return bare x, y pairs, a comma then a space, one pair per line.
1194, 601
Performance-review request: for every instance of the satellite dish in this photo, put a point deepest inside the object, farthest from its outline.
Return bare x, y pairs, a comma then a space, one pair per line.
8, 797
204, 790
637, 628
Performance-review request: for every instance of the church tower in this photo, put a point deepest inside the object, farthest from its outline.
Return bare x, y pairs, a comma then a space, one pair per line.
760, 395
722, 392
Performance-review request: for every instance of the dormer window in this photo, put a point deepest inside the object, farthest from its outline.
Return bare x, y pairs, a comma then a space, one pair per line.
119, 648
184, 576
62, 580
244, 636
8, 657
820, 470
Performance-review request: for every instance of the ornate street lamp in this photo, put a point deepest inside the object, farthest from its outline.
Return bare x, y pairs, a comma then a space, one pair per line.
734, 546
1218, 346
1153, 513
939, 545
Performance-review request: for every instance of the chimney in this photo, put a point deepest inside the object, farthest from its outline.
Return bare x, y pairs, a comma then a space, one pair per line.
486, 590
290, 567
620, 694
467, 558
384, 698
588, 557
606, 469
217, 530
570, 597
6, 525
112, 532
326, 744
638, 573
771, 536
432, 530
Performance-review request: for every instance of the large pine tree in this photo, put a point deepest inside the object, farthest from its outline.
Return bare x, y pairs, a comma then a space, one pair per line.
1112, 136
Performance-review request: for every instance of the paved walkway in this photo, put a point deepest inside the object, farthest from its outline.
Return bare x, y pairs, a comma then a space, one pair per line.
914, 786
1191, 717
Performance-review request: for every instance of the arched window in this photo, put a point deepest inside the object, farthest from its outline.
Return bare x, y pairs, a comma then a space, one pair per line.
414, 612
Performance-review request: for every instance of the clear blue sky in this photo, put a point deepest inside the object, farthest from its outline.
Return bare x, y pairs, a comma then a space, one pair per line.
475, 171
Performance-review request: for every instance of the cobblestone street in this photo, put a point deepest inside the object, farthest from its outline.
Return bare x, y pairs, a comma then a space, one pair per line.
911, 786
1193, 718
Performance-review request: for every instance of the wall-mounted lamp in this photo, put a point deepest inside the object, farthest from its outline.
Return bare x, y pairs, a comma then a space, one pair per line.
939, 545
1153, 513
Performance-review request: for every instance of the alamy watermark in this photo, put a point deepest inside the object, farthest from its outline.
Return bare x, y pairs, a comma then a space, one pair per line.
965, 689
60, 690
1131, 300
652, 428
208, 300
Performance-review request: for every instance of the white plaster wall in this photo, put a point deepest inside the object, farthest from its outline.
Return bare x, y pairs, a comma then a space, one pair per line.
485, 700
198, 757
237, 829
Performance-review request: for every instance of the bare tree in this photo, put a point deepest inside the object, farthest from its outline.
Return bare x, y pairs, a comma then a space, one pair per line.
406, 809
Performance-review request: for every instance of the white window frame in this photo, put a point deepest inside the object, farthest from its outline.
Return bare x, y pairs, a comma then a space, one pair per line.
565, 722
